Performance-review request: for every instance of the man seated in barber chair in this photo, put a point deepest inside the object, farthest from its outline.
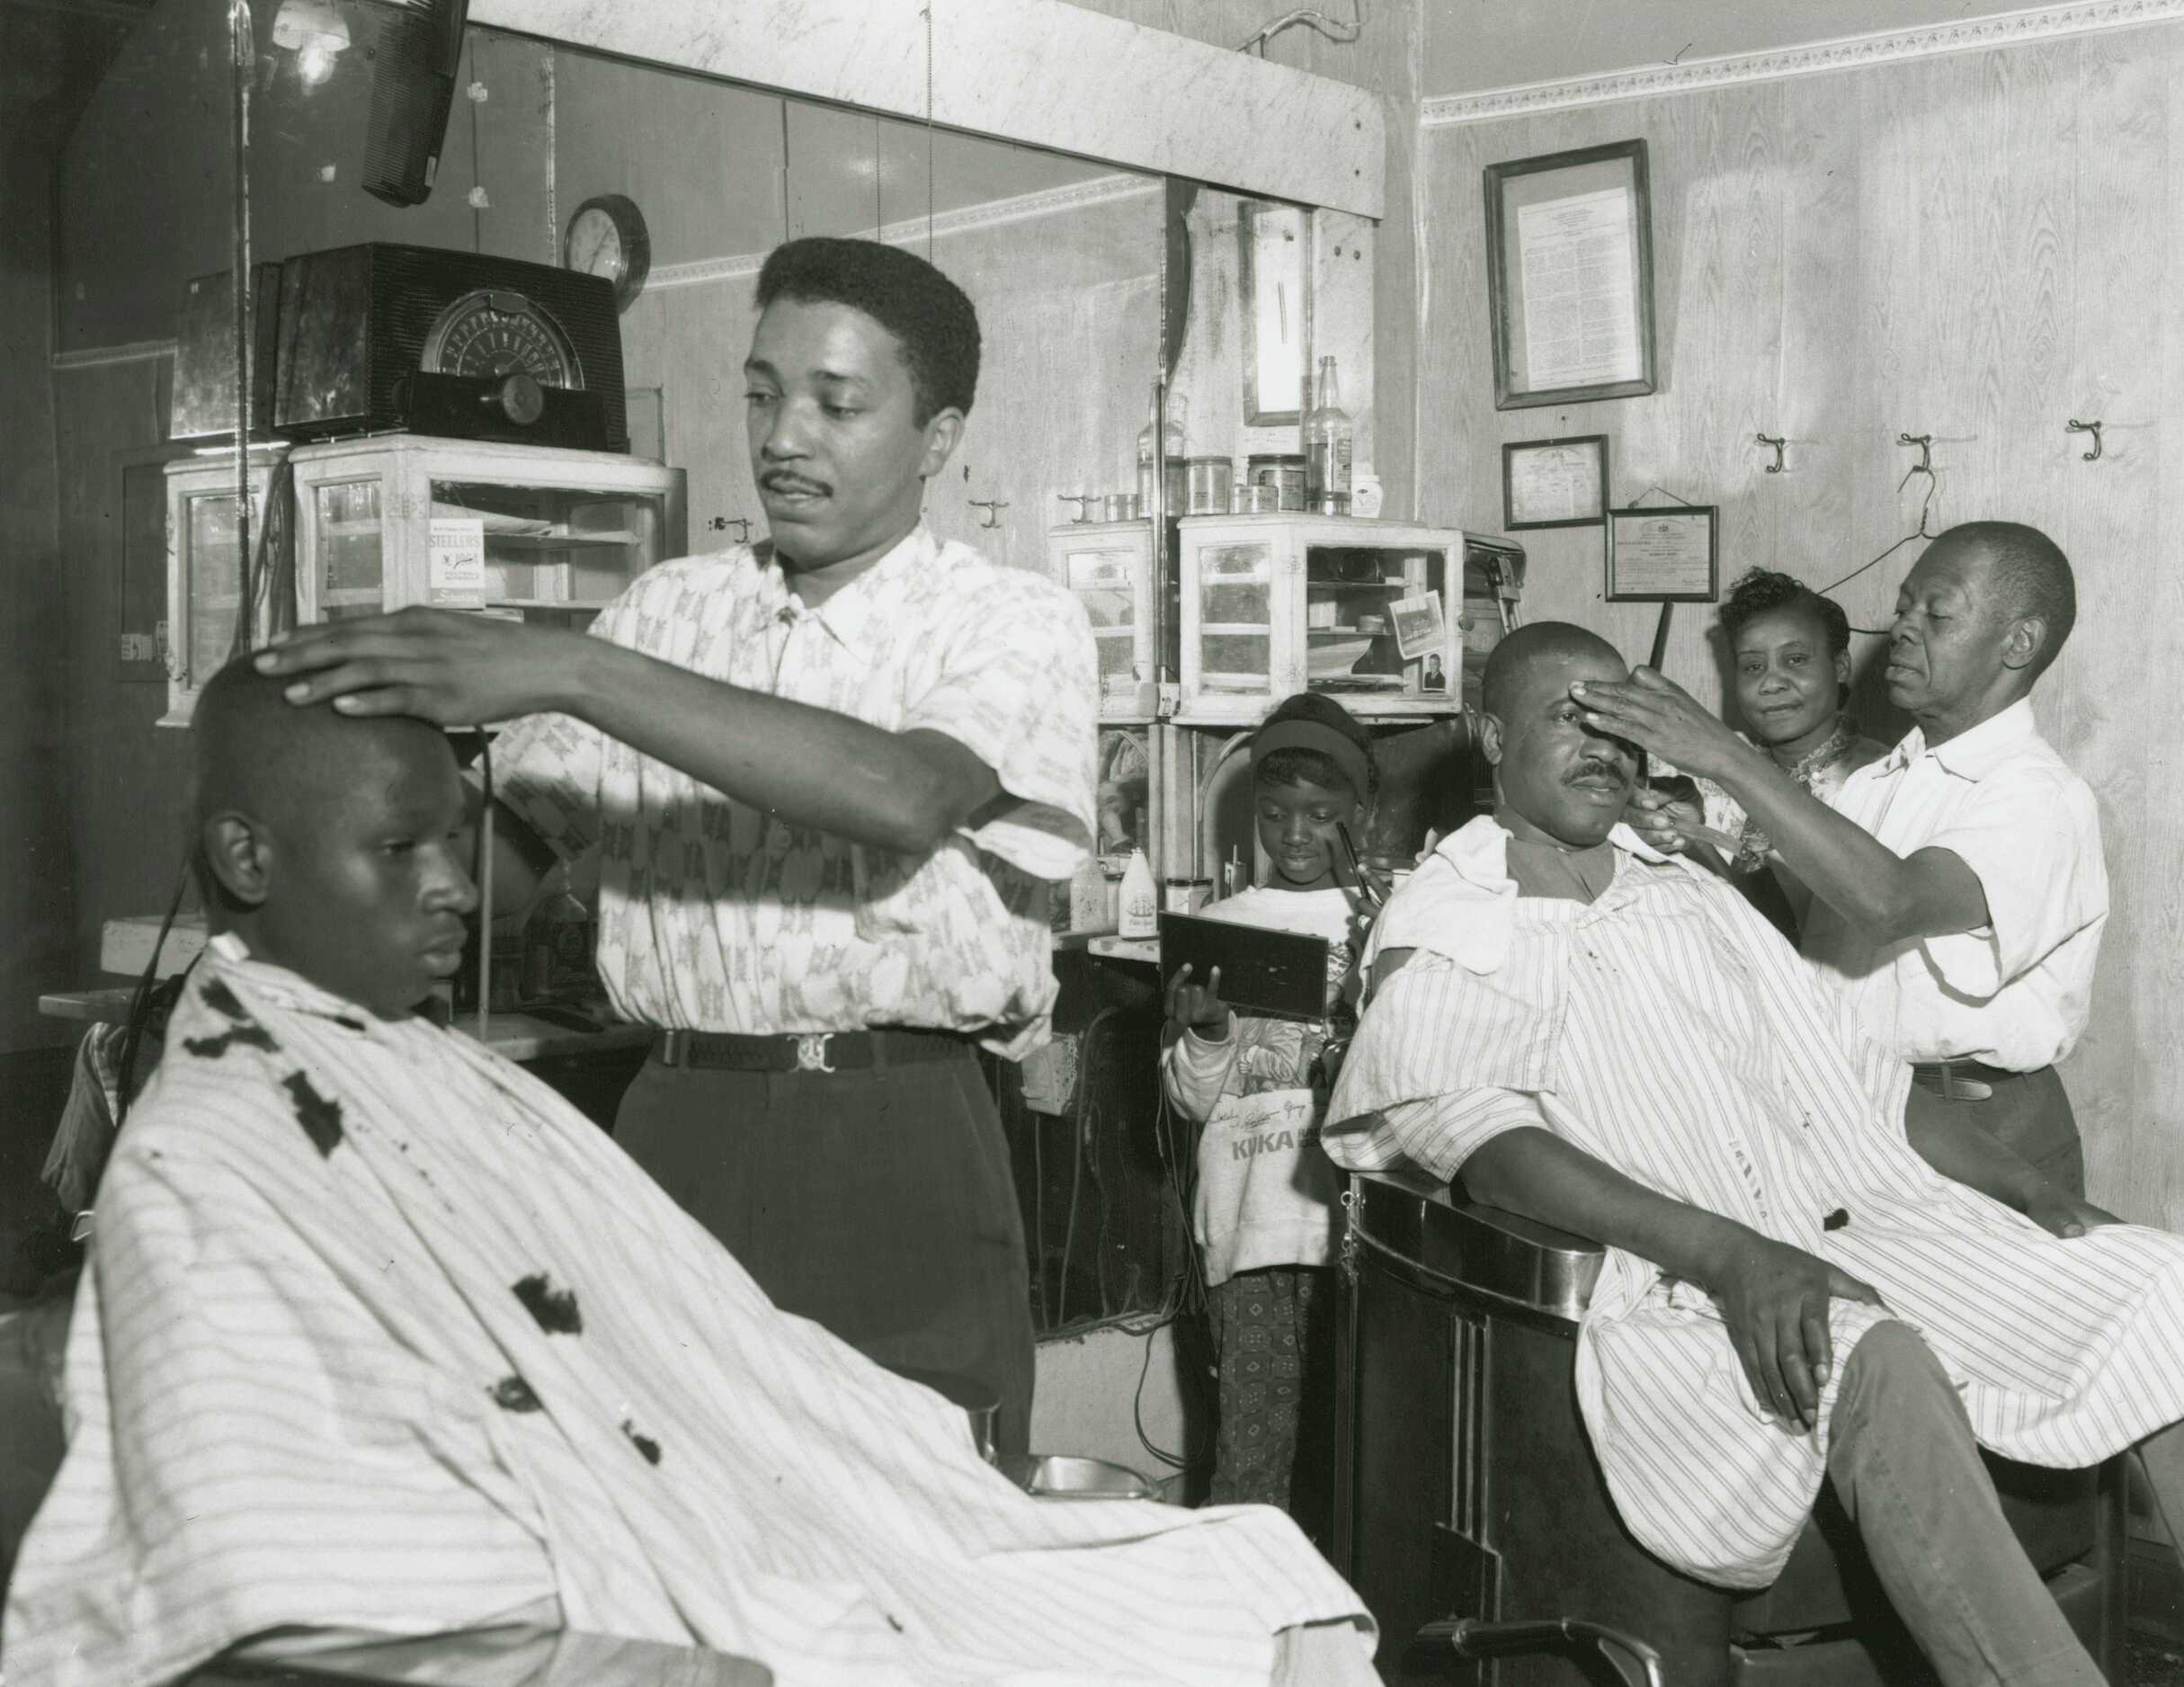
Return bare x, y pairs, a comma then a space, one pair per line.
379, 1334
1610, 1041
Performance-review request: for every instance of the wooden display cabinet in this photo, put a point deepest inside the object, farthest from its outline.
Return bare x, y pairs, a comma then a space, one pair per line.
1367, 611
205, 572
517, 529
1108, 566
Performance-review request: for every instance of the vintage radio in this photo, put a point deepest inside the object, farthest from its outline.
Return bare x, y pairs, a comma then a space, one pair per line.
451, 344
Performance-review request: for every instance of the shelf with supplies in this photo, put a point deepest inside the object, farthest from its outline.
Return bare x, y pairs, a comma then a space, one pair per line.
401, 518
1368, 612
395, 518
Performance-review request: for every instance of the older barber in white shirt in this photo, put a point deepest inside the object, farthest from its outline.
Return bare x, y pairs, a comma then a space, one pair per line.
1958, 886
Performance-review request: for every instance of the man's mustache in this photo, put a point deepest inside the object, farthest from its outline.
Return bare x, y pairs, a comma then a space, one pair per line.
1594, 768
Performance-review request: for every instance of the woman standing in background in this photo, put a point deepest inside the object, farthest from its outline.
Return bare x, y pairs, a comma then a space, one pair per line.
1790, 655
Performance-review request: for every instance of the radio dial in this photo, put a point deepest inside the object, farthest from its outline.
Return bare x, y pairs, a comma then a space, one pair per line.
516, 396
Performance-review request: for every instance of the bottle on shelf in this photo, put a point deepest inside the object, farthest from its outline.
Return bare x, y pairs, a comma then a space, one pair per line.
1327, 438
1140, 915
559, 941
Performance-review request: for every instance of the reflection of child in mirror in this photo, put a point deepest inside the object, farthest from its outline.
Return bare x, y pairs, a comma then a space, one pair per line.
1263, 1216
1122, 791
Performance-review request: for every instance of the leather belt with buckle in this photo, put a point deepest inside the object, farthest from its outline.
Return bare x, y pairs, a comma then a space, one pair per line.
1960, 1080
809, 1051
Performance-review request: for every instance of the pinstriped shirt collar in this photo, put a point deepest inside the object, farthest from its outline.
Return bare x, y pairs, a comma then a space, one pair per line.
1461, 902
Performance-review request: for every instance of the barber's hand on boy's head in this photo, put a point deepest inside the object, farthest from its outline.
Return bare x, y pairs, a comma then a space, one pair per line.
1198, 1007
459, 670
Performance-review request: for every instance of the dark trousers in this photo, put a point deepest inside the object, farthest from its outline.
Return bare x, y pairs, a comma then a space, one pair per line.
1907, 1469
879, 1204
2028, 1113
1273, 1329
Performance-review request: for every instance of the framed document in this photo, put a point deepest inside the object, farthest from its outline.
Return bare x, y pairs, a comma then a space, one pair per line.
1570, 276
1662, 556
1555, 483
1277, 242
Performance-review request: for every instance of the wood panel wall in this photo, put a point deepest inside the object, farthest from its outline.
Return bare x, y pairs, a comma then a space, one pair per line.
1978, 246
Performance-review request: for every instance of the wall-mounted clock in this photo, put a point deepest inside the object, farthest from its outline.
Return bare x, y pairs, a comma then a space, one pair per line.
607, 237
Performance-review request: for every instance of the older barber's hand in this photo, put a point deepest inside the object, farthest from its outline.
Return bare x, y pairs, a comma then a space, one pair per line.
1661, 821
1662, 719
460, 670
2059, 1213
1775, 1300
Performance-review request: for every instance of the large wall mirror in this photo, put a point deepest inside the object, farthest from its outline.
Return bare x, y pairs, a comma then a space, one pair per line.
1062, 255
1092, 281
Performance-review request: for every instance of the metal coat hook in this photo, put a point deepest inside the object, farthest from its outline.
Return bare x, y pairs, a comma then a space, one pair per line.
721, 523
2075, 427
1083, 500
1775, 468
1925, 442
993, 508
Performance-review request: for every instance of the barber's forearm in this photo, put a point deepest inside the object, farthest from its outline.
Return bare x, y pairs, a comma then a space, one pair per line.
810, 766
1538, 1175
1964, 1153
1885, 896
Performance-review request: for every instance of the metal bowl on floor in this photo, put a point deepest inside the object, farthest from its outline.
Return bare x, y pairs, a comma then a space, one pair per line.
1061, 1476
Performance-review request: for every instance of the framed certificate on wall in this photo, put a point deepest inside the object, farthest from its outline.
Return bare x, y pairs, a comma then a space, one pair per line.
1662, 556
1570, 276
1555, 483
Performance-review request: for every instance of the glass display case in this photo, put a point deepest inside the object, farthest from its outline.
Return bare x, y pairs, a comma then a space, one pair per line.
513, 529
1361, 610
205, 572
1109, 566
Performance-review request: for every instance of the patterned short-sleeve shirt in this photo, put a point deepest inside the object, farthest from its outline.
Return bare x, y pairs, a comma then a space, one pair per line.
716, 916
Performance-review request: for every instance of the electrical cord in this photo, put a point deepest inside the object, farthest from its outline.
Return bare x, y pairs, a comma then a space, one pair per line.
1047, 1311
1925, 509
1333, 29
1079, 1130
481, 875
141, 999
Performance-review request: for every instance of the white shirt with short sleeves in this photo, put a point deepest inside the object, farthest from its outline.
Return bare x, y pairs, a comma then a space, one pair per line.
2013, 993
717, 916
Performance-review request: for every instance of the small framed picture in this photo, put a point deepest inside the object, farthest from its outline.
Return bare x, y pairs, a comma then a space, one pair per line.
1662, 556
1570, 276
1555, 483
1419, 629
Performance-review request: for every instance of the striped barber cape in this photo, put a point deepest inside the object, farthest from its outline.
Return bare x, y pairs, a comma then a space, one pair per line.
379, 1333
1668, 1030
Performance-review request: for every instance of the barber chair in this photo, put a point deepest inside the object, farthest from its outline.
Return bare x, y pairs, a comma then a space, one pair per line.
1467, 1494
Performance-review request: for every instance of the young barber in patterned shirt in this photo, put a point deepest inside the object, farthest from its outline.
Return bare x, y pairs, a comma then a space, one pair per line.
828, 777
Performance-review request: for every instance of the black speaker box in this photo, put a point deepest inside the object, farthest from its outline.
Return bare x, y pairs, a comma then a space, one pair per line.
414, 61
